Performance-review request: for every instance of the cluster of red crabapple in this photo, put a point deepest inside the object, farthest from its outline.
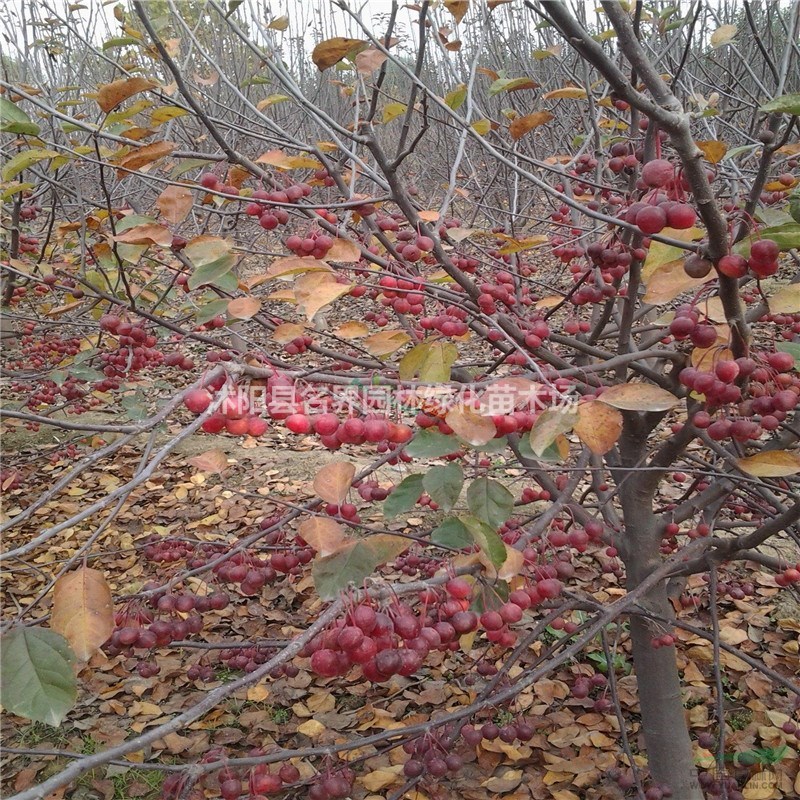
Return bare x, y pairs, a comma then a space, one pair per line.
396, 641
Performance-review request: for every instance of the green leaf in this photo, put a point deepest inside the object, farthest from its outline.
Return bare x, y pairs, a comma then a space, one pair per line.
354, 562
455, 99
188, 165
785, 104
210, 274
492, 446
444, 485
134, 220
431, 361
794, 205
549, 454
548, 426
432, 444
393, 111
404, 497
490, 501
211, 310
737, 151
14, 189
792, 348
120, 41
14, 120
452, 533
25, 159
486, 539
36, 680
786, 236
511, 85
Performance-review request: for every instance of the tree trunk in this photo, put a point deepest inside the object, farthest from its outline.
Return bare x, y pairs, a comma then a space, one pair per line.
666, 733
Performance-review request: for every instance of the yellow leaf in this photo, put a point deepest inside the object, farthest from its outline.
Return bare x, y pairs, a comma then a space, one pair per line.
507, 780
770, 464
670, 280
513, 564
312, 728
279, 23
723, 35
369, 60
381, 778
786, 300
83, 610
518, 245
522, 125
291, 265
143, 156
316, 290
713, 150
549, 302
567, 93
761, 786
258, 693
272, 100
392, 111
333, 481
279, 159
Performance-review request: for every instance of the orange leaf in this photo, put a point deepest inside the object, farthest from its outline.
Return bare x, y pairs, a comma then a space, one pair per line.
316, 290
211, 461
567, 93
458, 8
598, 426
324, 534
522, 125
369, 60
110, 95
713, 150
470, 426
174, 203
332, 51
429, 216
771, 464
639, 397
83, 611
343, 250
143, 156
332, 482
244, 307
384, 343
150, 233
284, 334
351, 330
